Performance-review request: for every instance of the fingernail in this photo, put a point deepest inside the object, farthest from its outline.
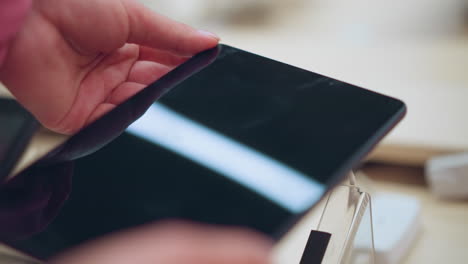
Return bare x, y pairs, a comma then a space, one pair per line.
210, 34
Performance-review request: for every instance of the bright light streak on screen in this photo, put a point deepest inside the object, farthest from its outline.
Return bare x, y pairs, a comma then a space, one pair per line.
283, 185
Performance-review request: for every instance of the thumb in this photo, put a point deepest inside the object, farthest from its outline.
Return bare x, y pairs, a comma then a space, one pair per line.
150, 29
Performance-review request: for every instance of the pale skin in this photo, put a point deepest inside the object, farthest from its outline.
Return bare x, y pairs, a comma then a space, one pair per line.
172, 243
73, 61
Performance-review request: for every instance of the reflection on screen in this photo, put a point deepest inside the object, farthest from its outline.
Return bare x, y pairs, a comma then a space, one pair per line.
277, 182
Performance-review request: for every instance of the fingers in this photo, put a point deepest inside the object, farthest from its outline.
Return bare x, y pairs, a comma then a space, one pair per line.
174, 244
150, 29
95, 88
146, 72
141, 75
124, 91
163, 57
101, 110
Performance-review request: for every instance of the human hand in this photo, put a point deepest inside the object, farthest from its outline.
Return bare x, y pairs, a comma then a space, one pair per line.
75, 60
173, 243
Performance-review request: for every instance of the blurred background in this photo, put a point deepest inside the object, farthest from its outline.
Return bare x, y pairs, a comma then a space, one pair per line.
415, 50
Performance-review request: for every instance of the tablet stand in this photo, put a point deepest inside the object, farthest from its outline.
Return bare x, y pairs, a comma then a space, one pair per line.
337, 231
347, 216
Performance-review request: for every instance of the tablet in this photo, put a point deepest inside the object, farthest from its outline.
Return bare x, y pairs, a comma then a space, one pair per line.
227, 138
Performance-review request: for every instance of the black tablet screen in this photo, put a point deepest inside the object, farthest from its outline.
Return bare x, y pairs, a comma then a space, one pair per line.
235, 139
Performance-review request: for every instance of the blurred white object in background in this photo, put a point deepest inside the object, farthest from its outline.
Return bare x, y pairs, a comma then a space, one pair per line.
448, 176
397, 223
